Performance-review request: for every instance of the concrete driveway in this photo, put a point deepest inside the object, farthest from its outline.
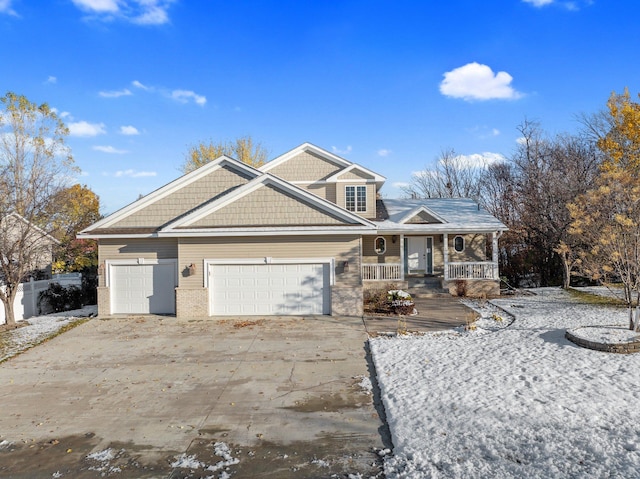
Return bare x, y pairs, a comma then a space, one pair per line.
160, 397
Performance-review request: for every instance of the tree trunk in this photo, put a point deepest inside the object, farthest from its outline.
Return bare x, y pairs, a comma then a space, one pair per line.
566, 272
631, 325
9, 314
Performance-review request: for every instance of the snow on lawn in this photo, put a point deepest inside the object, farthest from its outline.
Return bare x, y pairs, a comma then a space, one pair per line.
37, 329
519, 402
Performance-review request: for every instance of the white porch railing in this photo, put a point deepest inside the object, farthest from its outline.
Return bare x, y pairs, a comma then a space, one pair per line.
479, 270
382, 272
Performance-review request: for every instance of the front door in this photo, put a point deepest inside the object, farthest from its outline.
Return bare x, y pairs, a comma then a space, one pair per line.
419, 255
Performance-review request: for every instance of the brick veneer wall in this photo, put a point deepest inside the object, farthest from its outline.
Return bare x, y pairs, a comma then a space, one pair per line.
192, 302
346, 301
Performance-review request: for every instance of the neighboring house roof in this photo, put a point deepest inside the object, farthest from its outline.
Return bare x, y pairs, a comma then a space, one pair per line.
36, 229
437, 215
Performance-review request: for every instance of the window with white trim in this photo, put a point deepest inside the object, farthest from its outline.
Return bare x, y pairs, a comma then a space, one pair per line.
380, 245
355, 198
458, 244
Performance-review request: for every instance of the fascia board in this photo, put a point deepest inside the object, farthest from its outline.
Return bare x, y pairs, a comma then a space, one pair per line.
419, 209
172, 187
354, 166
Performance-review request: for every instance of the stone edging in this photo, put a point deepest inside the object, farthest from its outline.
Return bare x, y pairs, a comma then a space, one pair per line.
620, 348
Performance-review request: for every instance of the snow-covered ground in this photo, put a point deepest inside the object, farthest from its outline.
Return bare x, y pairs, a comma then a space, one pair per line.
34, 330
521, 401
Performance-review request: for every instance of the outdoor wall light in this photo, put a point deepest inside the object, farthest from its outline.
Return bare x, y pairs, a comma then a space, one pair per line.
394, 238
191, 269
345, 266
101, 269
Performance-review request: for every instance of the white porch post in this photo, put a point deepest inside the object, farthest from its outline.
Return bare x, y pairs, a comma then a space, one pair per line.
445, 250
494, 253
402, 271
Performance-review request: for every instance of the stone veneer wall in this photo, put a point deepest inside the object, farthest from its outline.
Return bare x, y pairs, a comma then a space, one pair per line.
104, 301
475, 288
192, 302
346, 301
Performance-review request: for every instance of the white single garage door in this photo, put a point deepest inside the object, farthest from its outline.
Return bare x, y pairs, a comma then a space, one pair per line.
269, 289
143, 288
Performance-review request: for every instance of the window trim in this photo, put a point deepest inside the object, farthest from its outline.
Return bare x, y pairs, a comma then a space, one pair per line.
359, 202
384, 245
455, 248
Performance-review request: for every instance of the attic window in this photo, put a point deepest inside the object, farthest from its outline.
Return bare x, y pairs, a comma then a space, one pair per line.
380, 245
356, 198
458, 244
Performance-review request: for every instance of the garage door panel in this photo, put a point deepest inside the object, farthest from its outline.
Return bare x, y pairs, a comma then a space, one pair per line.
269, 289
143, 289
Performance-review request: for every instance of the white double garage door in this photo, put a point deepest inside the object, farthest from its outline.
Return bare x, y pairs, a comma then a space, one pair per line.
235, 289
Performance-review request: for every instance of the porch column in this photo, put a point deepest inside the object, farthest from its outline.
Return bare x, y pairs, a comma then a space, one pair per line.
494, 253
445, 251
402, 272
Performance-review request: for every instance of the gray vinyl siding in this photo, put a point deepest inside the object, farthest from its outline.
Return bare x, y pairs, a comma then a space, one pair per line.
370, 213
305, 166
392, 255
267, 206
166, 209
341, 248
474, 248
147, 248
323, 190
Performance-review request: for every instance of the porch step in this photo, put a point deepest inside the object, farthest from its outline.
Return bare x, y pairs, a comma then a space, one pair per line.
426, 287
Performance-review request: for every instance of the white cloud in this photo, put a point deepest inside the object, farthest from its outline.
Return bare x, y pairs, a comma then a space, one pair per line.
97, 6
346, 151
110, 150
51, 80
115, 93
183, 96
474, 81
83, 128
137, 84
129, 130
400, 184
384, 152
539, 3
141, 12
5, 7
133, 173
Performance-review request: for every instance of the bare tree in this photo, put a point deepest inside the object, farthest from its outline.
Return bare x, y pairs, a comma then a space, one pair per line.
34, 165
453, 176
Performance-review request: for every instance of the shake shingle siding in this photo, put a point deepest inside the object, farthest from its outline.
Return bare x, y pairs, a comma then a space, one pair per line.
306, 166
185, 199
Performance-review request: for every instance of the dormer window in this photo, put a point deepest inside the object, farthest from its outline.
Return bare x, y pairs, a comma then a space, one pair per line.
356, 198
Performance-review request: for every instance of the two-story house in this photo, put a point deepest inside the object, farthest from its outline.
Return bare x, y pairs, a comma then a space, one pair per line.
302, 235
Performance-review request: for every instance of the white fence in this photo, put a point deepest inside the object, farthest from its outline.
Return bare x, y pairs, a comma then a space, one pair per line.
382, 272
26, 303
480, 270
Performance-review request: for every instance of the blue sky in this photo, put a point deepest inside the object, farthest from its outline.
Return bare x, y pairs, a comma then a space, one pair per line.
386, 84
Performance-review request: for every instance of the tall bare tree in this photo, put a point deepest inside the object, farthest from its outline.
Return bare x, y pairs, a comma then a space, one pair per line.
452, 176
245, 149
35, 164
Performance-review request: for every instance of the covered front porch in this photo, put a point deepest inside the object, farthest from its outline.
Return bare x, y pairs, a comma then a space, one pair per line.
447, 256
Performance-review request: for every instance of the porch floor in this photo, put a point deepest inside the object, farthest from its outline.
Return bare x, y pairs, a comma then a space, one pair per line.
434, 314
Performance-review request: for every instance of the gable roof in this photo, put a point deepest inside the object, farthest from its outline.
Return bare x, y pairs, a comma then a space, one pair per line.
420, 212
456, 215
345, 166
170, 188
195, 220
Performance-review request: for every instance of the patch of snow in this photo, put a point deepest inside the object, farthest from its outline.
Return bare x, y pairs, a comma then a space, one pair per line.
4, 444
56, 475
102, 456
365, 384
520, 402
320, 462
187, 462
38, 328
221, 449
